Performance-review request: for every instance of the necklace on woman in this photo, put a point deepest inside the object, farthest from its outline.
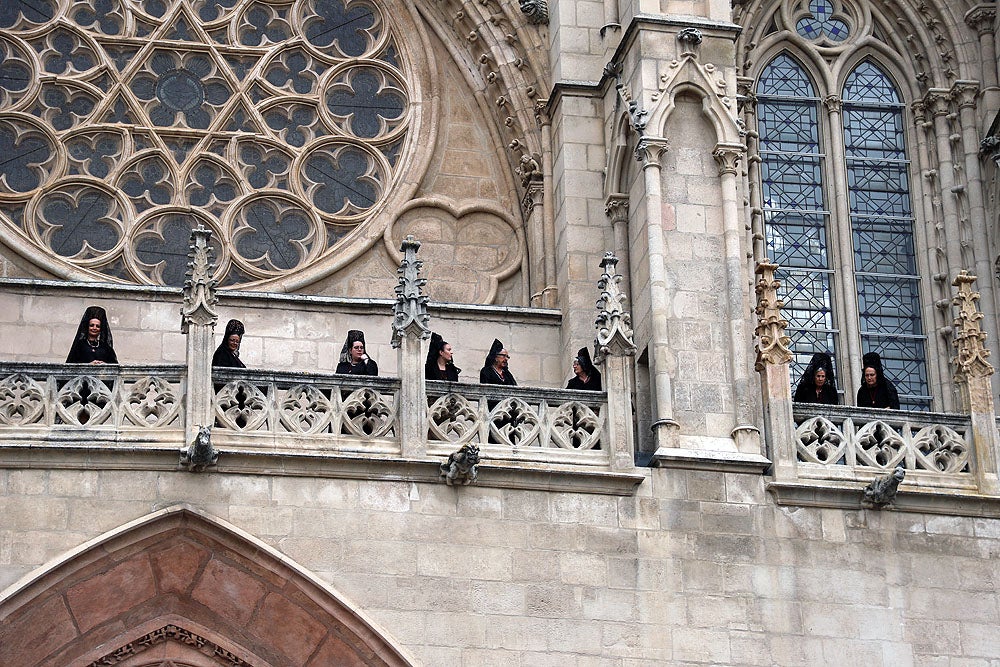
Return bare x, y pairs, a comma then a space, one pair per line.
95, 343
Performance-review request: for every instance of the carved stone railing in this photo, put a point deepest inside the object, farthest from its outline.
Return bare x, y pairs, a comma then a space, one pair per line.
519, 423
40, 401
303, 412
843, 442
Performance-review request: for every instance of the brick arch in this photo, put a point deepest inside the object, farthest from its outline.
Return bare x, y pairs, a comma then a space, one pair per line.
180, 587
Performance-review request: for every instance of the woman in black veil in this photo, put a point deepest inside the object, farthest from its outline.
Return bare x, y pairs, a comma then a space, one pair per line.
817, 384
93, 343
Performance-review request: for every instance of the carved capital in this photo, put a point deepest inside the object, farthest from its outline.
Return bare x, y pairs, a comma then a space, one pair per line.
938, 100
833, 103
964, 93
533, 192
982, 18
649, 151
199, 287
772, 343
919, 108
971, 353
746, 99
728, 157
616, 208
614, 323
410, 316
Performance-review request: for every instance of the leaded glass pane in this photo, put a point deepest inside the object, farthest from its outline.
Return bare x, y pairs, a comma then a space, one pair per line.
791, 126
791, 182
878, 188
889, 305
884, 246
871, 132
868, 83
807, 298
784, 77
797, 240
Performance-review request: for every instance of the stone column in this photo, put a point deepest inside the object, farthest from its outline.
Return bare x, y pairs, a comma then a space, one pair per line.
938, 100
982, 18
550, 294
665, 428
972, 376
409, 328
773, 359
534, 216
198, 318
616, 208
614, 348
745, 434
845, 291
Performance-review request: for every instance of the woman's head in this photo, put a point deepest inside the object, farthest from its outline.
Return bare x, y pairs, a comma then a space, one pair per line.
93, 329
357, 351
233, 342
871, 369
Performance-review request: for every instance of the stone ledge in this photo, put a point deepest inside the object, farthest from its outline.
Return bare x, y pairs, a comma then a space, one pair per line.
157, 457
839, 495
696, 459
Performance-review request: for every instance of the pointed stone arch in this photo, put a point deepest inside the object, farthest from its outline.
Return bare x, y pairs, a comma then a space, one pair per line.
705, 81
182, 587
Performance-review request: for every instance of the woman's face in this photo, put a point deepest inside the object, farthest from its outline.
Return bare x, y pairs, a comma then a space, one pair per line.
577, 368
94, 329
233, 342
357, 351
445, 353
871, 377
820, 378
500, 361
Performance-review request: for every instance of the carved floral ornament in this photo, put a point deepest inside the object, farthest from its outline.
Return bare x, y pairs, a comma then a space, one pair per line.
282, 128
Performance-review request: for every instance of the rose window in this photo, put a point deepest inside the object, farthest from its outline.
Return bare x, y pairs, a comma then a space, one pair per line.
125, 123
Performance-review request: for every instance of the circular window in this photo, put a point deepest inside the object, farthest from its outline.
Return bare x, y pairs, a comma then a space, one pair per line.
282, 127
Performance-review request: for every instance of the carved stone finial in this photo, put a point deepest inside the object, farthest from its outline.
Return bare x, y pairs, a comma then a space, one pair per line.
970, 359
199, 287
614, 323
537, 11
462, 467
772, 343
690, 37
410, 316
882, 490
200, 454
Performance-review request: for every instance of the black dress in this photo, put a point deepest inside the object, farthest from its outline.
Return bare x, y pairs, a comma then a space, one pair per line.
82, 352
489, 375
882, 396
593, 383
449, 374
225, 358
367, 367
827, 395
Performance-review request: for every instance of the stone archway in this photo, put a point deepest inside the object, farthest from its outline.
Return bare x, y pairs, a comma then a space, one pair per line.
181, 588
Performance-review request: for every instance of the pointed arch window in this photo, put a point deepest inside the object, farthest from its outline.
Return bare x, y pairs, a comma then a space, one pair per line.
878, 285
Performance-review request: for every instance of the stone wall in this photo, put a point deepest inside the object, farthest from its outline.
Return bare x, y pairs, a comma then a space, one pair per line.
697, 568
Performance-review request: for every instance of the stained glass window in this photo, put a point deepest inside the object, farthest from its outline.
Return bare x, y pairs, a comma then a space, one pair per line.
796, 220
882, 230
795, 190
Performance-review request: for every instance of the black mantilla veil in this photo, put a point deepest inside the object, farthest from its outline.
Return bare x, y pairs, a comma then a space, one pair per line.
95, 313
82, 351
431, 370
494, 351
883, 394
223, 355
353, 336
818, 361
593, 382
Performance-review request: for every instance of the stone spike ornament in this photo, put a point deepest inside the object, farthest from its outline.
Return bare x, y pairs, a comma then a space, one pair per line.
614, 323
772, 343
970, 360
410, 316
199, 286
